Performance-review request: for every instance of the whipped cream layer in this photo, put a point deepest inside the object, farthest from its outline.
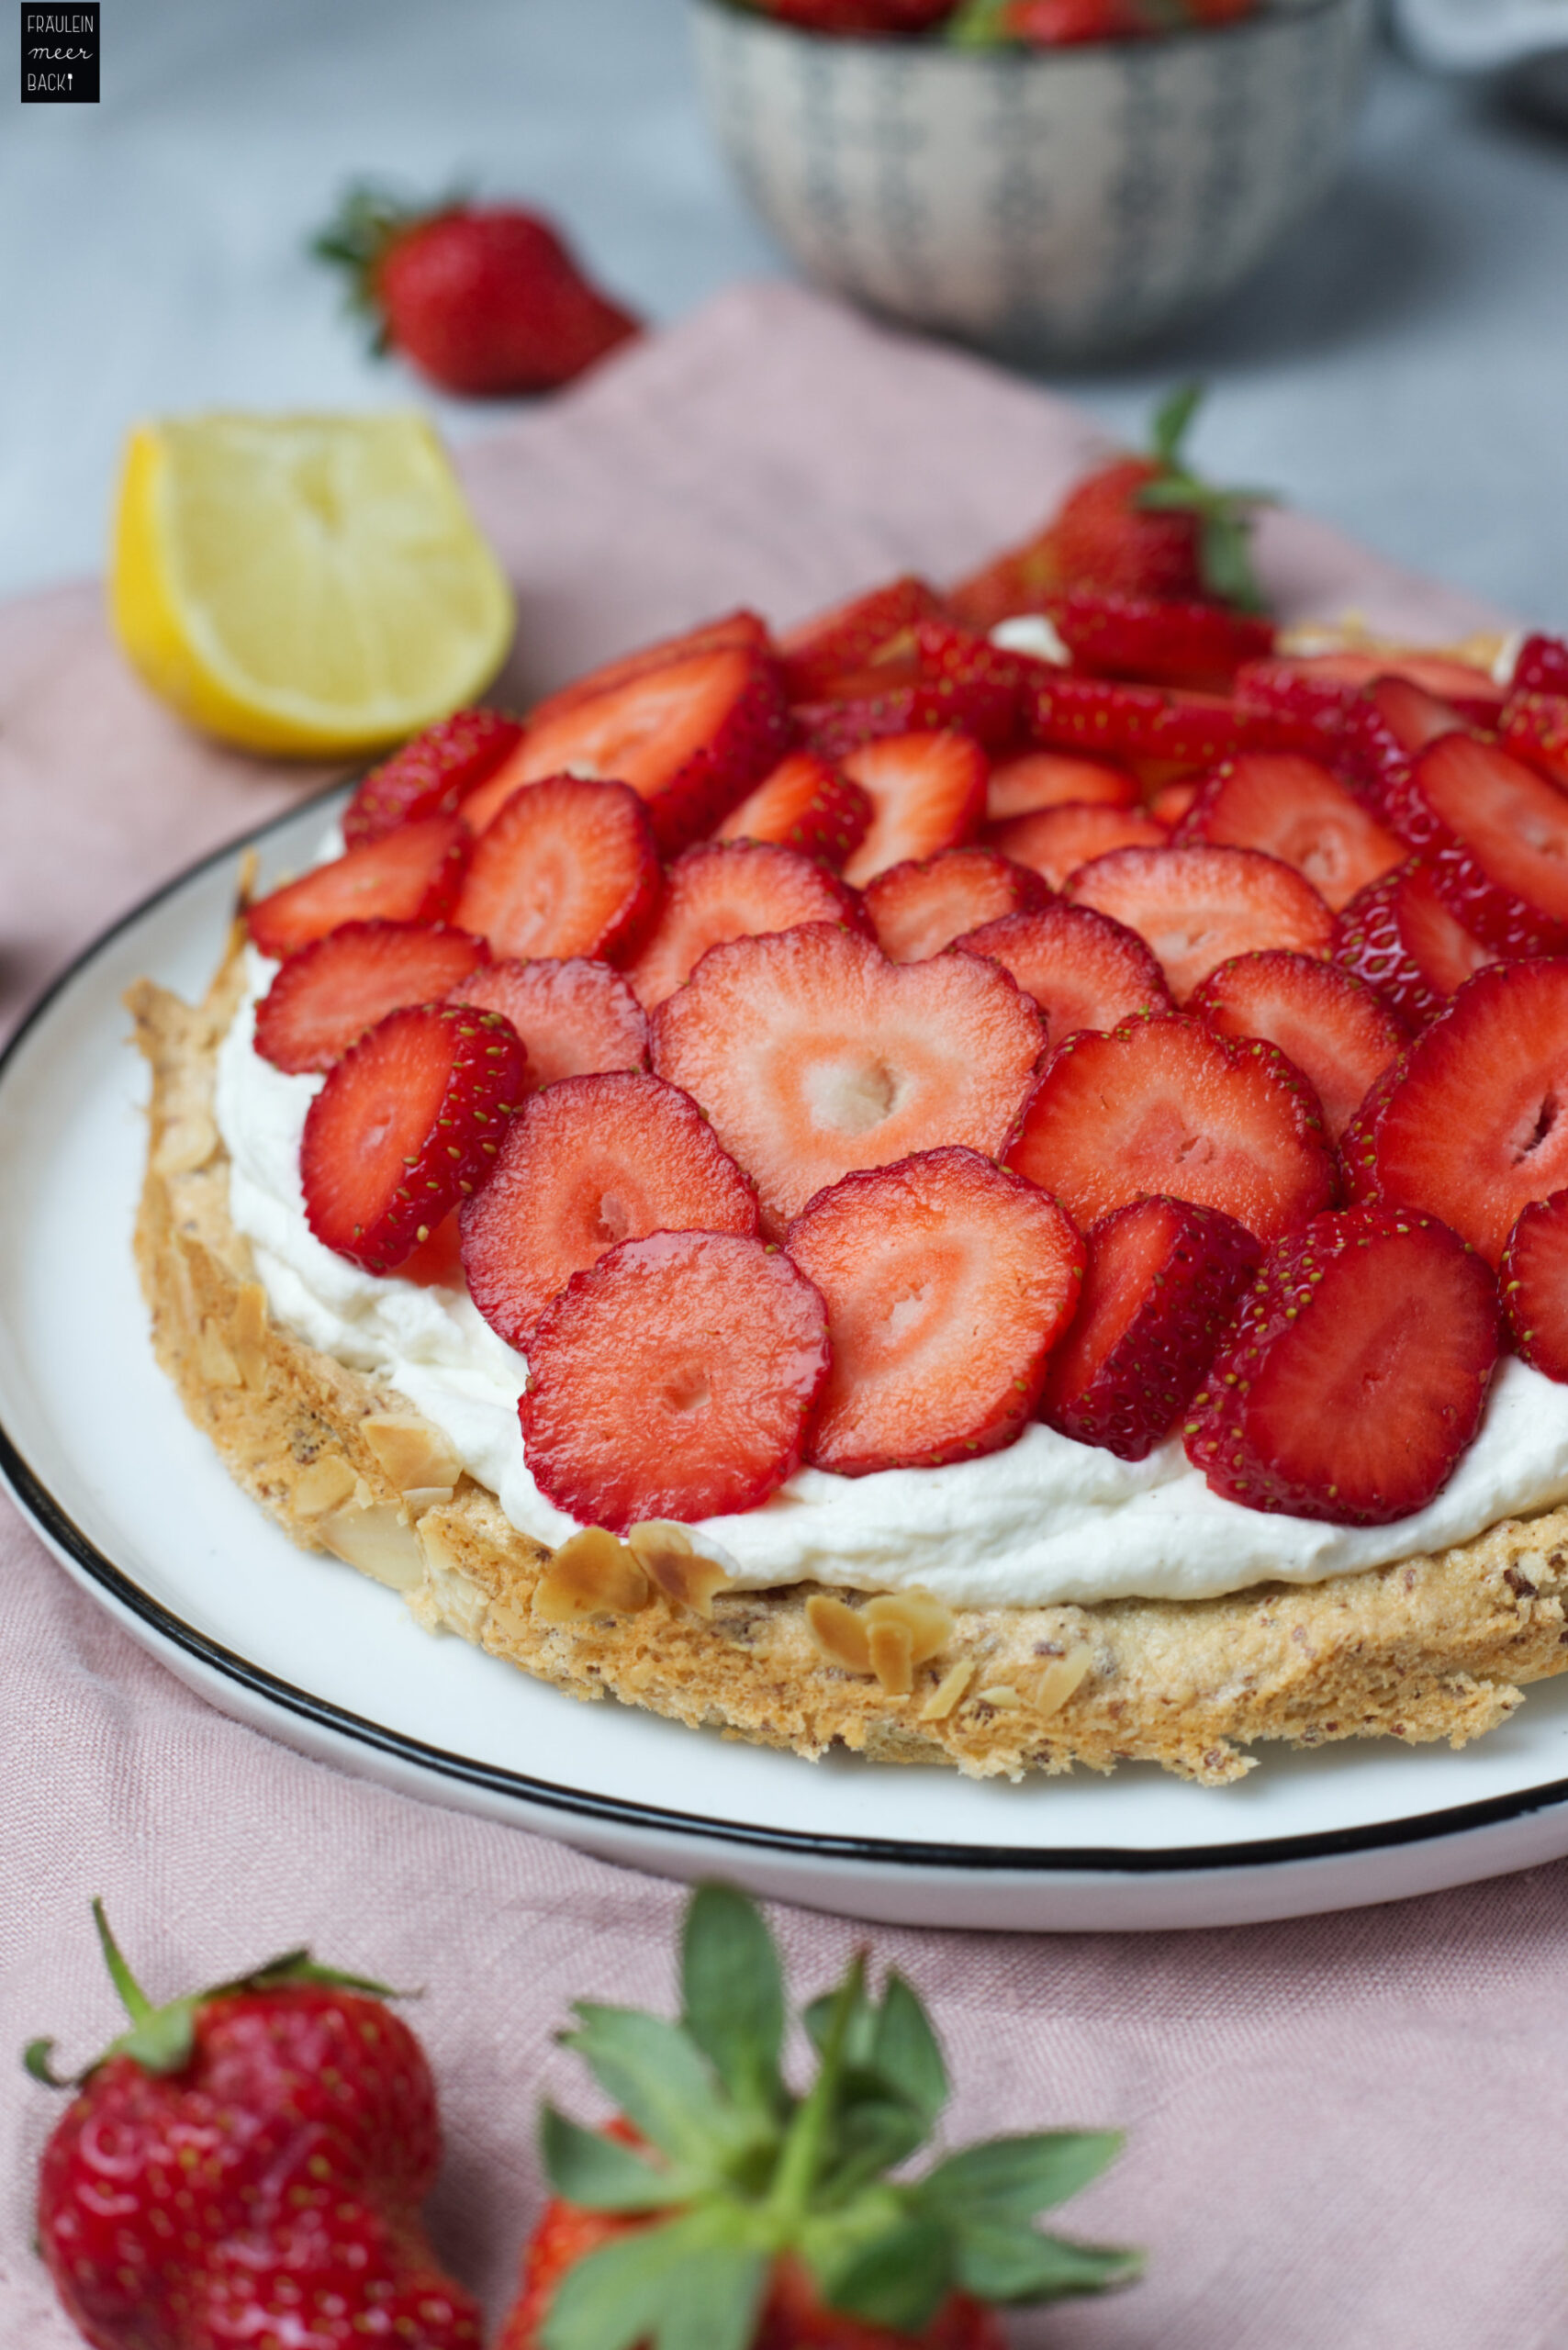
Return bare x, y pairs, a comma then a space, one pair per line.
1047, 1520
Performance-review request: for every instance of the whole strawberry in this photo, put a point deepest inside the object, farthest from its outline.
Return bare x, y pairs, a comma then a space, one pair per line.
484, 299
246, 2165
726, 2210
857, 17
1057, 24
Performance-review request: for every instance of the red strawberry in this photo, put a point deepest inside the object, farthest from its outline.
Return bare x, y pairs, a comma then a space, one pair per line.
724, 889
413, 874
482, 298
1082, 970
336, 987
1473, 1129
591, 1162
918, 908
927, 792
1198, 906
568, 868
1381, 733
690, 737
1056, 24
802, 803
911, 1261
817, 651
408, 1123
1540, 666
246, 2163
1165, 1105
673, 1380
1355, 1372
813, 1055
1162, 1277
1159, 642
1401, 938
1172, 802
431, 774
437, 1261
1052, 778
743, 630
1498, 860
1105, 718
1337, 1031
1328, 684
858, 17
944, 677
575, 1017
1535, 727
1533, 1277
1294, 808
1054, 841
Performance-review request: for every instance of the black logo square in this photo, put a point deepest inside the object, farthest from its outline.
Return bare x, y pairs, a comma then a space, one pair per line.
59, 54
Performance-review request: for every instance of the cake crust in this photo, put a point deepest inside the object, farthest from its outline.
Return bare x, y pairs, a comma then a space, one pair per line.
1434, 1647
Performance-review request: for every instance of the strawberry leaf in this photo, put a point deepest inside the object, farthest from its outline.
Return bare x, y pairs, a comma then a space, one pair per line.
600, 2172
694, 2284
733, 1992
663, 2083
1011, 2179
871, 2136
904, 2051
1017, 2264
897, 2276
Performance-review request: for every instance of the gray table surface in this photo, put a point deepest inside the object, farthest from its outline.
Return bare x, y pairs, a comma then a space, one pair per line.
1400, 368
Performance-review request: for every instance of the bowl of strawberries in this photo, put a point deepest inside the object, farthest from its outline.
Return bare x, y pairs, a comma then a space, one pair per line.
1055, 178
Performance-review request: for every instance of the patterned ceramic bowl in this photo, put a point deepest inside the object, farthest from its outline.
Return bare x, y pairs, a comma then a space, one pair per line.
1070, 202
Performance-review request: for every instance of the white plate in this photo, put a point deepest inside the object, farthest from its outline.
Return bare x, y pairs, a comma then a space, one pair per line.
134, 1504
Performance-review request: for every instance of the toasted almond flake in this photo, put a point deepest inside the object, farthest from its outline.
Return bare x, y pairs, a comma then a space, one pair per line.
943, 1699
219, 1368
188, 1142
1003, 1696
328, 1482
251, 1319
929, 1623
1055, 1684
838, 1632
663, 1550
377, 1541
590, 1575
411, 1454
891, 1648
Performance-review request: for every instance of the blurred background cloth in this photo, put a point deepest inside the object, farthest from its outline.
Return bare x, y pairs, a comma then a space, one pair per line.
1474, 34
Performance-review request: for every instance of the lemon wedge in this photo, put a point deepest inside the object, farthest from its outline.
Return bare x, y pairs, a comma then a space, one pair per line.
309, 584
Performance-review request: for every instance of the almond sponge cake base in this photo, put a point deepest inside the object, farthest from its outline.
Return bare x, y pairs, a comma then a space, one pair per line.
1432, 1647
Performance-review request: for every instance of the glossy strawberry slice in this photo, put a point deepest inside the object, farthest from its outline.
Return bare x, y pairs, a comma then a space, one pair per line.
673, 1380
1162, 1278
945, 678
336, 987
430, 776
1157, 642
1535, 727
568, 868
927, 792
1533, 1277
1477, 1124
1110, 720
918, 908
724, 889
1384, 731
1540, 666
1329, 683
913, 1260
576, 1016
739, 630
1165, 1105
1339, 1033
1054, 841
1401, 938
407, 1123
1355, 1372
819, 650
1295, 809
691, 736
1051, 779
813, 1055
588, 1162
412, 874
1500, 862
805, 804
1197, 906
1083, 969
1172, 802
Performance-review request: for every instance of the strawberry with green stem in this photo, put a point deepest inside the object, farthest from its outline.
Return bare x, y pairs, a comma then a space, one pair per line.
732, 2212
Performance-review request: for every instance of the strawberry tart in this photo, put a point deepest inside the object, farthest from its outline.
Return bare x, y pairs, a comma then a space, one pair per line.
984, 1194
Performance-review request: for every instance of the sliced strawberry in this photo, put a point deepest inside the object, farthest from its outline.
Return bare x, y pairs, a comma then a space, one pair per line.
1533, 1277
740, 631
927, 792
1337, 1031
431, 774
1357, 1144
1110, 720
813, 1055
577, 1017
437, 1259
1198, 906
673, 1380
691, 736
1535, 727
1500, 859
946, 678
1477, 1126
1162, 1278
336, 987
1384, 728
1172, 802
568, 868
1401, 938
1294, 808
405, 1124
1540, 666
913, 1260
1355, 1372
412, 874
1055, 842
918, 908
805, 804
1159, 642
1083, 969
1326, 684
818, 650
1052, 778
1166, 1105
724, 889
588, 1162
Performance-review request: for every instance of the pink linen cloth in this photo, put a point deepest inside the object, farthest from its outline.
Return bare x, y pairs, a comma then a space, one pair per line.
1346, 2131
